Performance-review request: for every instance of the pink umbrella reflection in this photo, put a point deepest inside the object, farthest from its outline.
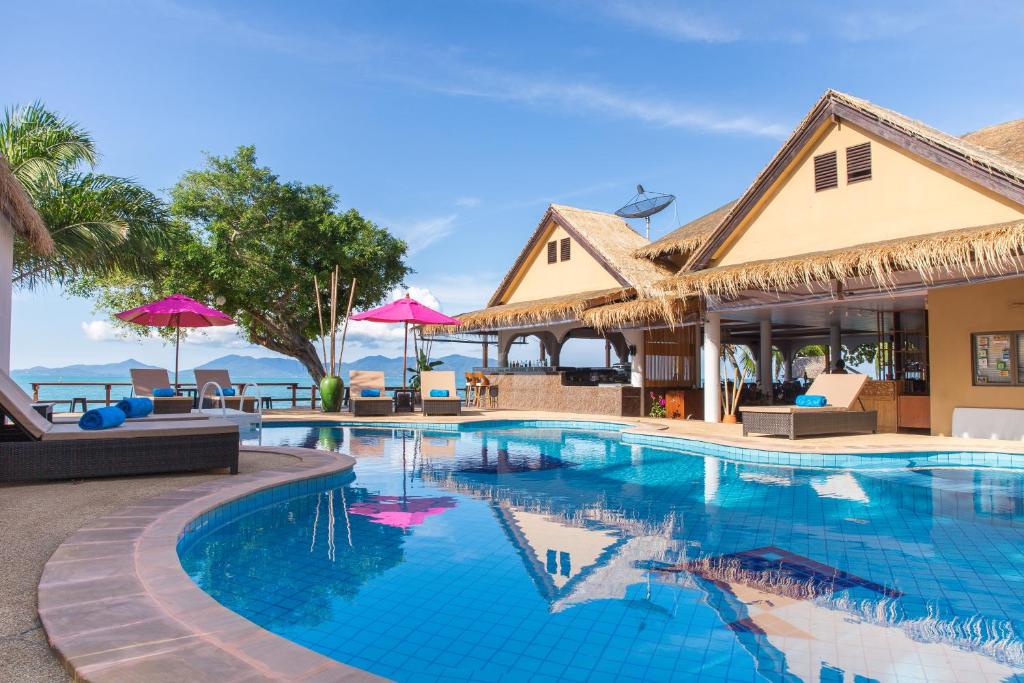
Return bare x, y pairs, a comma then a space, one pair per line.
401, 512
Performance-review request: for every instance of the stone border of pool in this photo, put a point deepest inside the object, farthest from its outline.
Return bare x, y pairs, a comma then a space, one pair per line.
117, 605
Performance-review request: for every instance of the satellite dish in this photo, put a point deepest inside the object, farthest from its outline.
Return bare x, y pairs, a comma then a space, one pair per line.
645, 204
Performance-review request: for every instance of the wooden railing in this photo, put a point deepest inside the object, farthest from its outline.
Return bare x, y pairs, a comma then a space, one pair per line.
295, 391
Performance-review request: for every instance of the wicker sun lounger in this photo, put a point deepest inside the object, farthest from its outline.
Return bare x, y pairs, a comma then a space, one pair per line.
367, 406
838, 417
222, 378
33, 448
145, 380
443, 380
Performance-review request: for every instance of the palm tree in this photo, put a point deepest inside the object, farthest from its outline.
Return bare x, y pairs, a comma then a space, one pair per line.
102, 225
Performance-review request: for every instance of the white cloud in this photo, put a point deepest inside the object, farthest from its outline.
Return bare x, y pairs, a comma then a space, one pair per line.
103, 331
421, 234
669, 21
468, 202
227, 336
386, 336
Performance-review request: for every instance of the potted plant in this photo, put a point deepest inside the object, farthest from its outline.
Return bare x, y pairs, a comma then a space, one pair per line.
657, 405
332, 387
738, 362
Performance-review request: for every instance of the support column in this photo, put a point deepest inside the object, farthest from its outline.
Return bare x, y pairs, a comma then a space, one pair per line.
607, 353
6, 271
764, 361
835, 346
787, 354
713, 368
484, 354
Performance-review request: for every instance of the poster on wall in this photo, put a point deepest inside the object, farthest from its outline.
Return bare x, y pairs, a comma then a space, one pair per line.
992, 362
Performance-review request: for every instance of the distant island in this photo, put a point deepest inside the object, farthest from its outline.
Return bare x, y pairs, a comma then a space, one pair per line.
242, 367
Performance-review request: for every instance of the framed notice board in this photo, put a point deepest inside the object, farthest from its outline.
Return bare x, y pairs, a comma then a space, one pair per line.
997, 358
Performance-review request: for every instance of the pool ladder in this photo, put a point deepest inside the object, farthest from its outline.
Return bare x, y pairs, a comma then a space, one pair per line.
241, 402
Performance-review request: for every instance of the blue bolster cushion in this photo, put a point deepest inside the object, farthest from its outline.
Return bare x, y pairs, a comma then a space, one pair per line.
102, 418
811, 401
370, 393
163, 392
438, 393
135, 407
224, 392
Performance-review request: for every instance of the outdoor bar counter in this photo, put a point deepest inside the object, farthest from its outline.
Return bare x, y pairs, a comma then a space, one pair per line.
595, 391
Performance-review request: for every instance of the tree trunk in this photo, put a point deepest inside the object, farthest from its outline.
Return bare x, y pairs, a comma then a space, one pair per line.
291, 344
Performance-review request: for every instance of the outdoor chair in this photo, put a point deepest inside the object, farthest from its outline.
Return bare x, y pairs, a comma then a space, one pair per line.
368, 406
223, 379
32, 448
837, 417
145, 380
440, 381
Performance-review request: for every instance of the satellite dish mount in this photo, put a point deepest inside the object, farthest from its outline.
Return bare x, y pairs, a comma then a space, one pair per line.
645, 204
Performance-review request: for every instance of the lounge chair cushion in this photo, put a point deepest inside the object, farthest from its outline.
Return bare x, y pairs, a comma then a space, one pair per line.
163, 392
438, 393
102, 418
143, 428
135, 407
369, 393
811, 401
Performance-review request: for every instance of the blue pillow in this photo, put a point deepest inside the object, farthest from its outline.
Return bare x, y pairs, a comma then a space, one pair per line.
163, 392
135, 407
811, 401
438, 393
370, 393
102, 418
224, 392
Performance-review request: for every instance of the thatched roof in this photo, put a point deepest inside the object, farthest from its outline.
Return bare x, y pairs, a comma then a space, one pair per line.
970, 252
531, 313
605, 236
1003, 173
639, 313
17, 208
1005, 139
684, 240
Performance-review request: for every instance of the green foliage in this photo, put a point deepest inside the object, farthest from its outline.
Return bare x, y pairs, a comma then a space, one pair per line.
246, 242
102, 225
423, 364
657, 406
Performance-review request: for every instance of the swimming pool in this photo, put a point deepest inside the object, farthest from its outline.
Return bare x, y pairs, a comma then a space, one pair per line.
562, 552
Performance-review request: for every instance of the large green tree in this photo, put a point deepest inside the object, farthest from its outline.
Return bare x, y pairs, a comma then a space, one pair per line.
102, 225
249, 243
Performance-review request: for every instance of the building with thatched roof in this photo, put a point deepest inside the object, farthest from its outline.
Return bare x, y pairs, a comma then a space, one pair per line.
18, 218
869, 227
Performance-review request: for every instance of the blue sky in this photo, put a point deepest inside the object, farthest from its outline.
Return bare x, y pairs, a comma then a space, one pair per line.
454, 124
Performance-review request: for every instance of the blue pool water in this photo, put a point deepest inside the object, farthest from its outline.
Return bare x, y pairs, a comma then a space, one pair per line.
525, 552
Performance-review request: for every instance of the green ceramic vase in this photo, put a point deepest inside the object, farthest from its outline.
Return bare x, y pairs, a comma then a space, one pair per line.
331, 388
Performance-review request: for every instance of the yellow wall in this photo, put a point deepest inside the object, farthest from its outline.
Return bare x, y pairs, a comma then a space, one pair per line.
954, 313
905, 196
539, 279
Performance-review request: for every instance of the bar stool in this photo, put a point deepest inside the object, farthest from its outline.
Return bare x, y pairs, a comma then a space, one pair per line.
492, 396
470, 388
482, 384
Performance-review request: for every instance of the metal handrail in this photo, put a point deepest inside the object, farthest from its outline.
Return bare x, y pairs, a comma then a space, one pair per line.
259, 403
220, 394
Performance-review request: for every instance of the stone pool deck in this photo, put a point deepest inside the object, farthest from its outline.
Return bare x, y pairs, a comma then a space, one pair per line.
723, 434
117, 605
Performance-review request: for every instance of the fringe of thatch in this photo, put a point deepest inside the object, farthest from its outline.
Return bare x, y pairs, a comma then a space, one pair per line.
970, 252
639, 313
527, 313
685, 240
17, 207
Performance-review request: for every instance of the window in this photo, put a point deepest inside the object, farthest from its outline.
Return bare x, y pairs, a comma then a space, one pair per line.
565, 249
998, 358
826, 175
858, 163
552, 251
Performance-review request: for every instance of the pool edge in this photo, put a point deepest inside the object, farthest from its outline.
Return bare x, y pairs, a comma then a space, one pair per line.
116, 604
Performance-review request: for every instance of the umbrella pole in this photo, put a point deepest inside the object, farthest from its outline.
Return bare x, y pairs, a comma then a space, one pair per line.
177, 349
405, 355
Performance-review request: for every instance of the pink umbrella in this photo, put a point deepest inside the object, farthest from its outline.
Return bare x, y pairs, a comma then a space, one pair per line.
406, 310
176, 311
401, 512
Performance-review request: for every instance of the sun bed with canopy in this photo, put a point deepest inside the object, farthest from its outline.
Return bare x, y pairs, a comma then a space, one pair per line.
33, 448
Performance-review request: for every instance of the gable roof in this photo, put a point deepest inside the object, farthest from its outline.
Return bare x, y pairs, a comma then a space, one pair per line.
687, 238
1005, 139
606, 237
1000, 174
17, 208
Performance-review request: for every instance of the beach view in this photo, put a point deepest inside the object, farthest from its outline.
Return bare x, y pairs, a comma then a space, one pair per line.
506, 340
